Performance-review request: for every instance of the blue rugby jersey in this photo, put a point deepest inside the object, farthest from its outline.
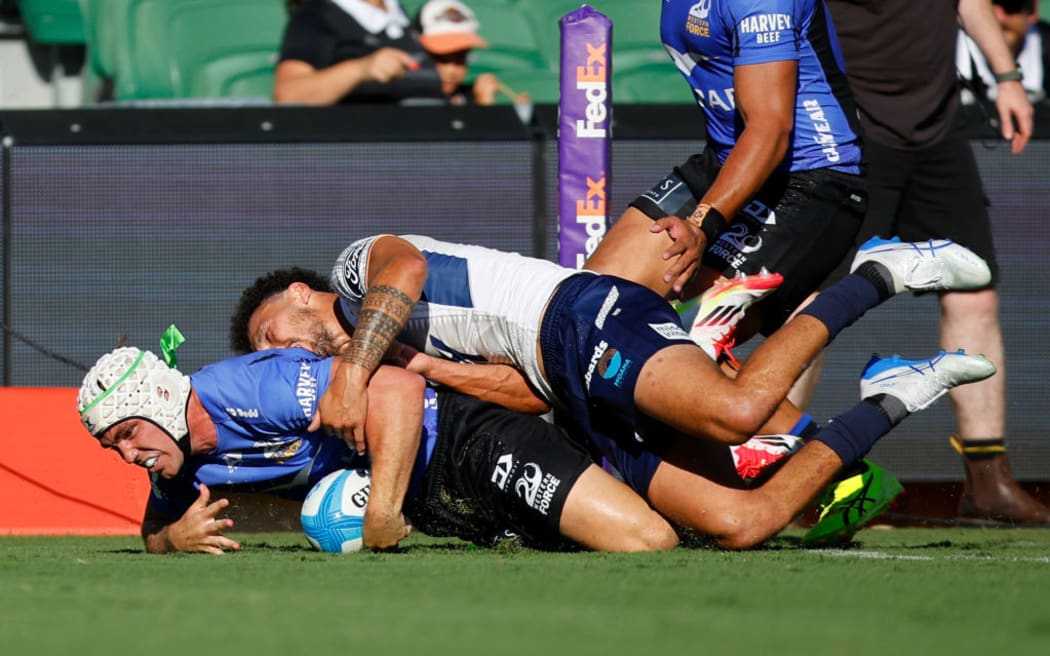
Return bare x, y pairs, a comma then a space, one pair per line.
262, 404
708, 38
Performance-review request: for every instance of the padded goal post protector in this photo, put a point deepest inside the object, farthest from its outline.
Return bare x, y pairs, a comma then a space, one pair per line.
584, 139
54, 477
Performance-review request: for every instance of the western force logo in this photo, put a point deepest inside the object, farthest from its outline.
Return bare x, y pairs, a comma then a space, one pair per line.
697, 23
593, 80
536, 488
591, 213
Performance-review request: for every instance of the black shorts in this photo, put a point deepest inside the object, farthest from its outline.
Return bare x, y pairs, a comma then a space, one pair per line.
800, 225
494, 471
932, 193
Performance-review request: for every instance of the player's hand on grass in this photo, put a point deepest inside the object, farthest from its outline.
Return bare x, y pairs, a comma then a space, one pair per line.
383, 531
687, 243
200, 528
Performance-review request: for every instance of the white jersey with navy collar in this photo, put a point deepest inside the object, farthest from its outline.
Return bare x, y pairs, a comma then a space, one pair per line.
478, 304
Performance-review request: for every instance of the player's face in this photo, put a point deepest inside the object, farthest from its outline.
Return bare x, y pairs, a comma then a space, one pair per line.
280, 324
143, 443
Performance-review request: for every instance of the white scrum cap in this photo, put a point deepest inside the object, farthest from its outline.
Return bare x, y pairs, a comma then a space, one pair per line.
129, 382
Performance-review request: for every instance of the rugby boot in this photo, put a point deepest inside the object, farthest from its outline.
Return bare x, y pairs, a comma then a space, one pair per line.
918, 383
848, 505
990, 493
753, 458
935, 264
722, 306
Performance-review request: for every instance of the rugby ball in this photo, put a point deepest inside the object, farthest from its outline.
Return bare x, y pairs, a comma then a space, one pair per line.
333, 515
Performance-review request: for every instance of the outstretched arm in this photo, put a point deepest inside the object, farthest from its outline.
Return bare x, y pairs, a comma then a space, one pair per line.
396, 273
198, 530
496, 383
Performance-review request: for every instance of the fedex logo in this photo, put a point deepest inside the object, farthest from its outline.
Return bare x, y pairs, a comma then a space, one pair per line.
593, 79
590, 212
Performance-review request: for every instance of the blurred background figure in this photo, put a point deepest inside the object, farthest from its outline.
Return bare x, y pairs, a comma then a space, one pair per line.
449, 30
1027, 37
352, 51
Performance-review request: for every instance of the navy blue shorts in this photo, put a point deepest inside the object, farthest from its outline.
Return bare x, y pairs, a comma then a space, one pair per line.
800, 225
597, 334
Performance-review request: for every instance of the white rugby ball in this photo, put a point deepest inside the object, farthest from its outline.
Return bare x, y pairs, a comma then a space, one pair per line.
333, 514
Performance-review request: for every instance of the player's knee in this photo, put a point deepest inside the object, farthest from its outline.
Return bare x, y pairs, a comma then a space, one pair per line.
653, 535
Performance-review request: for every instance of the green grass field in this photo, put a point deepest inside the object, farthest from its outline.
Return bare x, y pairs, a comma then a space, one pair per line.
900, 591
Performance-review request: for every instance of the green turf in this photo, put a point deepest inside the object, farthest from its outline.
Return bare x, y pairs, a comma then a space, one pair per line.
901, 591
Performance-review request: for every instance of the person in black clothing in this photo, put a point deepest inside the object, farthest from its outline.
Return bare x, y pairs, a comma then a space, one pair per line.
352, 51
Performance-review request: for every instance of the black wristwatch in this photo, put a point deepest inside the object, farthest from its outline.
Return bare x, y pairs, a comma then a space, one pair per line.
1015, 75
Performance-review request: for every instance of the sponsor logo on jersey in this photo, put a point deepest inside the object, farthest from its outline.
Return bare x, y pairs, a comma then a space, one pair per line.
243, 413
767, 28
669, 330
724, 100
502, 471
306, 389
592, 214
613, 366
607, 306
281, 451
593, 80
536, 488
696, 23
824, 138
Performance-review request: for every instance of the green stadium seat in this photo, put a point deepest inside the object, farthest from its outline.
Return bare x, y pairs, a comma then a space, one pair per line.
541, 85
513, 42
102, 34
652, 83
246, 75
181, 48
53, 22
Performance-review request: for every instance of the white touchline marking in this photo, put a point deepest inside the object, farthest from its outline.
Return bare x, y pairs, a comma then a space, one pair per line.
882, 555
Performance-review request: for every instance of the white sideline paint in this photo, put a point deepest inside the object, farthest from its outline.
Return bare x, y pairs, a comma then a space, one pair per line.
882, 555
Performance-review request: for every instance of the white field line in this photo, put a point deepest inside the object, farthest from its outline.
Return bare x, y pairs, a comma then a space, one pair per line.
882, 555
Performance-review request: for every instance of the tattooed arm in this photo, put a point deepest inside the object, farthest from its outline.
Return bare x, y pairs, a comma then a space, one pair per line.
396, 273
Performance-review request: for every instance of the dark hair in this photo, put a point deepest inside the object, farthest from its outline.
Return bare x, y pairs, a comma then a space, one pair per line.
263, 288
1016, 6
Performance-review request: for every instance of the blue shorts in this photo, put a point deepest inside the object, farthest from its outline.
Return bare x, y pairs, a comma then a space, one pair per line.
597, 334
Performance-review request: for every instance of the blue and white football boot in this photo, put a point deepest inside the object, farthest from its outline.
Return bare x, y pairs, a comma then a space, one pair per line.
918, 383
924, 266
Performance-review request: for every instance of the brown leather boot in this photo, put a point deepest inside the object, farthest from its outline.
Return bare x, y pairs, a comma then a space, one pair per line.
990, 493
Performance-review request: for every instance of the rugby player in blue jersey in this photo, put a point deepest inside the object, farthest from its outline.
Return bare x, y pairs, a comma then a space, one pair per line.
469, 469
778, 185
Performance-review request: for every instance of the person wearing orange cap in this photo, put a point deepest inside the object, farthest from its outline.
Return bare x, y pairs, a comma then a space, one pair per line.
449, 30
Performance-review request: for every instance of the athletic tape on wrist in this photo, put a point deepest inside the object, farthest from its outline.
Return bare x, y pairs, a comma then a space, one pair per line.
712, 223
